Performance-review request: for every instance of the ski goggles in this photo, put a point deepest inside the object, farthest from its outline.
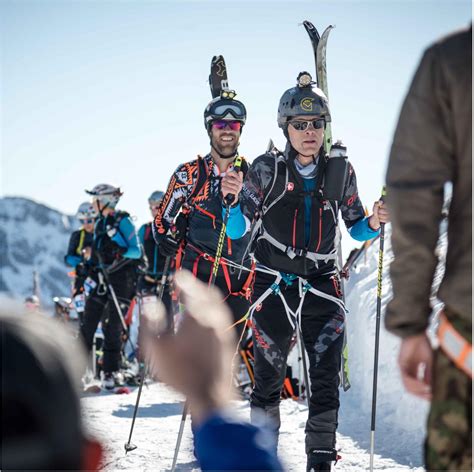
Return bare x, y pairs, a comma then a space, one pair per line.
219, 110
302, 125
88, 221
223, 124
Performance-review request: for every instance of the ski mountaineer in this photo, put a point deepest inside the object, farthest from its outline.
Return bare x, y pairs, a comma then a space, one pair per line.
79, 252
432, 146
149, 281
195, 189
297, 285
116, 252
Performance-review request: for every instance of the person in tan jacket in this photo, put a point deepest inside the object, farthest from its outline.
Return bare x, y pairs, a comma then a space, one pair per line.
433, 146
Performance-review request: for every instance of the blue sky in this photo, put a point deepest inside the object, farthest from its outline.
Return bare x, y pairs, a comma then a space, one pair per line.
114, 91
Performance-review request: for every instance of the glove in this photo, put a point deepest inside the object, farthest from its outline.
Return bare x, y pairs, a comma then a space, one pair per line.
111, 231
81, 270
168, 246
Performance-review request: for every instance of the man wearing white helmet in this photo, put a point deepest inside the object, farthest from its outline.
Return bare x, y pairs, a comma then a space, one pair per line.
79, 252
116, 252
294, 197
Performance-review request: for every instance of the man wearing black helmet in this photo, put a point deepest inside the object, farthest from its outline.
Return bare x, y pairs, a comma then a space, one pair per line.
194, 189
116, 252
289, 198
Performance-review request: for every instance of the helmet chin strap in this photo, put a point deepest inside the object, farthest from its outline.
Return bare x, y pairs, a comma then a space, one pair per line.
101, 210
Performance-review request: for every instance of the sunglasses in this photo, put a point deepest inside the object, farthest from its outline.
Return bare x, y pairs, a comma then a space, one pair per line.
302, 125
88, 221
154, 207
222, 124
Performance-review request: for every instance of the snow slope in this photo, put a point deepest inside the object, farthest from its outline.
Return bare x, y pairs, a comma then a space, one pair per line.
400, 417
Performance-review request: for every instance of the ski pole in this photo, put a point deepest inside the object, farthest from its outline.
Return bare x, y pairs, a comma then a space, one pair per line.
220, 243
215, 269
128, 445
117, 307
377, 338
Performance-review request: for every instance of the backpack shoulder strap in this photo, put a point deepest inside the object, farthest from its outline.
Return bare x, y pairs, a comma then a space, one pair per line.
280, 165
202, 174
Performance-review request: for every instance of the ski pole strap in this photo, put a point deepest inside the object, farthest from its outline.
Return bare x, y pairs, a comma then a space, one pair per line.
454, 345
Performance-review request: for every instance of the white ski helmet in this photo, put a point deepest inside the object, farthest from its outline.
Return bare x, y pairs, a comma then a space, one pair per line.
86, 211
107, 194
156, 197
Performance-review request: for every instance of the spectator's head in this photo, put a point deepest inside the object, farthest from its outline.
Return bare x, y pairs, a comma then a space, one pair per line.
41, 419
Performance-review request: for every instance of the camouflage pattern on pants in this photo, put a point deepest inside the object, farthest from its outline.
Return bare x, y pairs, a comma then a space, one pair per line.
448, 444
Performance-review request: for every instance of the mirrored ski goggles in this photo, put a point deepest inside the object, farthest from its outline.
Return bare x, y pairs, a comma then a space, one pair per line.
302, 125
223, 124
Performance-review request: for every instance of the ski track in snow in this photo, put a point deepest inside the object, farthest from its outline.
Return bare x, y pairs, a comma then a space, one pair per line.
400, 421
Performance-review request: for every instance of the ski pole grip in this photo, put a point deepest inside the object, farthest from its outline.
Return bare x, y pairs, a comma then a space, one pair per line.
383, 195
229, 198
382, 198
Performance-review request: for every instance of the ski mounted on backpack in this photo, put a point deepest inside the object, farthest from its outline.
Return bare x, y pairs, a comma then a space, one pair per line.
218, 76
319, 44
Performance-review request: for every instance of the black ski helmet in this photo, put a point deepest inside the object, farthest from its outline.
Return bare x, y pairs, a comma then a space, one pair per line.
304, 99
224, 107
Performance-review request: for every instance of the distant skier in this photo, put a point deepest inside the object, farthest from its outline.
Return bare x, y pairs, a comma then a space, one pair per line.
149, 282
116, 252
32, 304
79, 252
295, 197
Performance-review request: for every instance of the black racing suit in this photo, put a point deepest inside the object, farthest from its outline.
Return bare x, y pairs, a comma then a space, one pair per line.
196, 185
113, 262
149, 281
296, 241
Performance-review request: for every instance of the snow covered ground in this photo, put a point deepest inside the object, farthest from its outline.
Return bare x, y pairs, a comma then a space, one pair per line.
400, 417
109, 418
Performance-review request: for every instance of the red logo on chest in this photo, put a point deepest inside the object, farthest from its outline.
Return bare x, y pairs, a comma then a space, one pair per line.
290, 186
